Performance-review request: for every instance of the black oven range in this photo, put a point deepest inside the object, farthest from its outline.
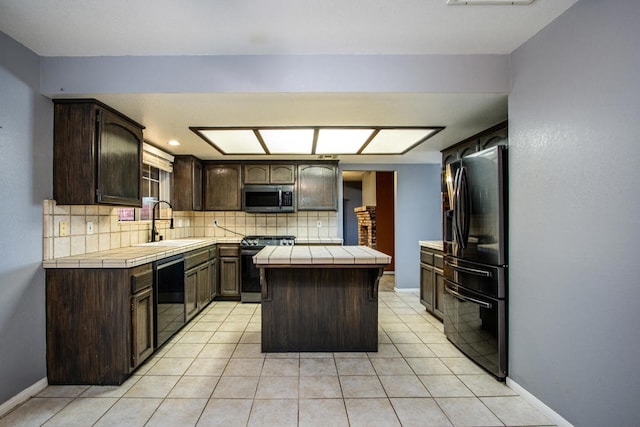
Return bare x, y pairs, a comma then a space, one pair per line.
250, 274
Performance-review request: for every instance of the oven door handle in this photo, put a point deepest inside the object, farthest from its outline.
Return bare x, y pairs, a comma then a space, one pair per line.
160, 266
466, 298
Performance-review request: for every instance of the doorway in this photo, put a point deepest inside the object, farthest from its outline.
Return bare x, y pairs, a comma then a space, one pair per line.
372, 193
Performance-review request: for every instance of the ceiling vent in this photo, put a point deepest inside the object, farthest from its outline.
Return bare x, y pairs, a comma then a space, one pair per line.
489, 2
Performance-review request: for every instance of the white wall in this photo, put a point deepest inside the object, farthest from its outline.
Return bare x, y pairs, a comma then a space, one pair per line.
574, 155
26, 123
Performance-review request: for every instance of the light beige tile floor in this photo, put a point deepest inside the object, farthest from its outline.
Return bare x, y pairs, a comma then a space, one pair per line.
212, 373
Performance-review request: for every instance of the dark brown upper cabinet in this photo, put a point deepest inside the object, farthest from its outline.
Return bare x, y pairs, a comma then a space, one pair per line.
317, 186
186, 184
269, 173
496, 135
222, 187
97, 155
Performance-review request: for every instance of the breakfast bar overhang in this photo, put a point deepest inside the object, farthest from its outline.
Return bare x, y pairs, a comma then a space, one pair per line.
320, 298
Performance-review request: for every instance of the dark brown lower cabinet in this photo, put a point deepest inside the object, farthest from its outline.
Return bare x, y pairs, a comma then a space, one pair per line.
432, 280
229, 256
141, 326
323, 308
213, 272
99, 323
197, 292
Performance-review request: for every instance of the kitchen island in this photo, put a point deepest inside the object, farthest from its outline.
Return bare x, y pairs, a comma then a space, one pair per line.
320, 298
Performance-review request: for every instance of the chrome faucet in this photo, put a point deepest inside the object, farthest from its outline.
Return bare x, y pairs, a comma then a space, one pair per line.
153, 218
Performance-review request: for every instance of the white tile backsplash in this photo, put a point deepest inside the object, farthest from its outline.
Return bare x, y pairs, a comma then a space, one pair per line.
109, 233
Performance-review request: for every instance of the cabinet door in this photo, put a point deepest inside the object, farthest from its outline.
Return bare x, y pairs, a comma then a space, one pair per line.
282, 174
197, 185
468, 148
186, 180
317, 187
204, 283
141, 326
438, 296
256, 174
222, 187
426, 286
499, 137
213, 278
190, 293
119, 160
229, 276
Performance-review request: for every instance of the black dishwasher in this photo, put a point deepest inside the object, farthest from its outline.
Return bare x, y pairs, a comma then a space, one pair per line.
169, 298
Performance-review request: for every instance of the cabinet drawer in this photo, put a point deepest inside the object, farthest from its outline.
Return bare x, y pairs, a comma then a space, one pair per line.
141, 278
197, 257
438, 261
426, 257
229, 251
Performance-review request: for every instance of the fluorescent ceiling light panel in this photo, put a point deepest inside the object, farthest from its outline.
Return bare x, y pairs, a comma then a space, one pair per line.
396, 141
288, 141
234, 141
341, 141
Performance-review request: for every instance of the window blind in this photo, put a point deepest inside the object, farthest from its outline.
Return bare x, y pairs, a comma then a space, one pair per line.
157, 158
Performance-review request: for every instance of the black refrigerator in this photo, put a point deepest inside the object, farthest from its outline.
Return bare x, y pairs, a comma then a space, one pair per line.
475, 297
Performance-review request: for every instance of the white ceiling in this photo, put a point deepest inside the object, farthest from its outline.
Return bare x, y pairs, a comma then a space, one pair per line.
232, 27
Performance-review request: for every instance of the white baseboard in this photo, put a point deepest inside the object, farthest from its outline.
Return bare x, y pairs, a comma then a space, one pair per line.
23, 396
538, 404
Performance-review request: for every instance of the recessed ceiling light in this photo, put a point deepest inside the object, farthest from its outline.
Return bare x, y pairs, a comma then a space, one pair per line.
174, 142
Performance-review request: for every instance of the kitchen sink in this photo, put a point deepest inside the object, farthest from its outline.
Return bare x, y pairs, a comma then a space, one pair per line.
175, 242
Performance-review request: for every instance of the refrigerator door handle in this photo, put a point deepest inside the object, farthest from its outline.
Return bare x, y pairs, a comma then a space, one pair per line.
473, 271
456, 207
466, 298
464, 207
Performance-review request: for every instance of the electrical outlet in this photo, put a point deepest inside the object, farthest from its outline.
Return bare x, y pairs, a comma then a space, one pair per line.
89, 227
63, 228
319, 224
215, 222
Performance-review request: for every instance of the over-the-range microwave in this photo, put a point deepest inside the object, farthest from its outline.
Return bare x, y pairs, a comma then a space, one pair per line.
269, 198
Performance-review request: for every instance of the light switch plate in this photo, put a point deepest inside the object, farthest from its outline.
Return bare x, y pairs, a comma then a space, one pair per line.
89, 227
319, 224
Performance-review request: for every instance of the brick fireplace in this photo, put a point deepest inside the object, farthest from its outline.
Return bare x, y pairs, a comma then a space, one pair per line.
366, 226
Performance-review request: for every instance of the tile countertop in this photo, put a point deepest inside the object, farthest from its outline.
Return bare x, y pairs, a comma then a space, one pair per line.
432, 244
133, 256
316, 255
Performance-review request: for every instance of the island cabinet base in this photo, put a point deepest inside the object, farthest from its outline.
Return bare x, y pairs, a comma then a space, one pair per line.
320, 309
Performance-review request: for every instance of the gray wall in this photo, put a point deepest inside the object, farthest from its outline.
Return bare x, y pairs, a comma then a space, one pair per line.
26, 122
417, 214
574, 111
